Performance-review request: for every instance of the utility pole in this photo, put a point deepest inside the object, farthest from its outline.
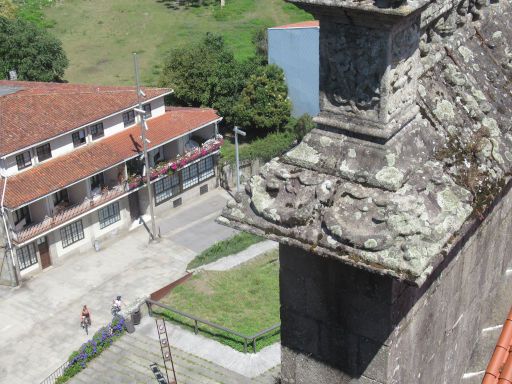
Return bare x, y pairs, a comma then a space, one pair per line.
143, 128
237, 131
9, 249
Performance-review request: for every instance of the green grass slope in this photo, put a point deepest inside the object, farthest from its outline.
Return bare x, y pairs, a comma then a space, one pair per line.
99, 36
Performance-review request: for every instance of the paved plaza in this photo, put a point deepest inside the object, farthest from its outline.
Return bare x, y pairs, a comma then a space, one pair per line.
39, 322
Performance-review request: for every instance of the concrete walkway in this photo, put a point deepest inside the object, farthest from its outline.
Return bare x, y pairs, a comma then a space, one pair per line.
39, 322
235, 260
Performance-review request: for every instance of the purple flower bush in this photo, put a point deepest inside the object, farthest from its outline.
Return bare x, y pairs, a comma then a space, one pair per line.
101, 340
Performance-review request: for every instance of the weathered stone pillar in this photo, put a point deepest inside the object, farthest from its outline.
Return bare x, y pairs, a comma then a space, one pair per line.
369, 67
394, 214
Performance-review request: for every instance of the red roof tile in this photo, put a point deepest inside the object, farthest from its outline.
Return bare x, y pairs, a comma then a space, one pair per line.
302, 24
59, 172
499, 370
31, 112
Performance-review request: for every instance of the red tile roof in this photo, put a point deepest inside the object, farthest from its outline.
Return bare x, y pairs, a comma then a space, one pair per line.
499, 370
61, 171
302, 24
33, 112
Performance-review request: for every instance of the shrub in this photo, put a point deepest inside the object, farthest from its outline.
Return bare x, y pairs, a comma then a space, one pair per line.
266, 148
301, 126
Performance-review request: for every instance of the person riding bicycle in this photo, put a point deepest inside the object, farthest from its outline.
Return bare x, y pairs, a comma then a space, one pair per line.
116, 305
85, 316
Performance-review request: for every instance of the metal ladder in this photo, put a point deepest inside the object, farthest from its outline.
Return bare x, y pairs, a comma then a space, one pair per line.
166, 353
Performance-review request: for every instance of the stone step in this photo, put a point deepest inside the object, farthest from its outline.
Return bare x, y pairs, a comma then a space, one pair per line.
128, 361
184, 361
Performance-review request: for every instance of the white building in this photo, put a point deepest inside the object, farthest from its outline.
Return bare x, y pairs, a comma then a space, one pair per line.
71, 164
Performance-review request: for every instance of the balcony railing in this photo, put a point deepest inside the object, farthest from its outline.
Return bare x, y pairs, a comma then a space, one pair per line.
179, 162
67, 213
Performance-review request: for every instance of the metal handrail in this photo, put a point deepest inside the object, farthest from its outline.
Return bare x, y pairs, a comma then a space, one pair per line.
52, 378
197, 320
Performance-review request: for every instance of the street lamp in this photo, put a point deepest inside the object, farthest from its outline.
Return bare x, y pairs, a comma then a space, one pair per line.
237, 131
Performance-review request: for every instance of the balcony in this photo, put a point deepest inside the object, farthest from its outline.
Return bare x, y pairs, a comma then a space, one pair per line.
65, 213
170, 166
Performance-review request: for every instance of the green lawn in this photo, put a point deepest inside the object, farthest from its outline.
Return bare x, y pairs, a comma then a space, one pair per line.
245, 299
99, 36
227, 247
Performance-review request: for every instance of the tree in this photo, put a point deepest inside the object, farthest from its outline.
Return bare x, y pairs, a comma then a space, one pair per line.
260, 41
31, 51
7, 9
205, 74
263, 104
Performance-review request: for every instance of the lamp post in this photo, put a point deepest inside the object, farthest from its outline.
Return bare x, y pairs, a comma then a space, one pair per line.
237, 132
143, 128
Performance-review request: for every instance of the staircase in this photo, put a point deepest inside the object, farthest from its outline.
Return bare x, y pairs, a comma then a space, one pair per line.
129, 360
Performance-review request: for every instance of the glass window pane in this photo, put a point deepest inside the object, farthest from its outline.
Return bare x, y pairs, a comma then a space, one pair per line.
109, 215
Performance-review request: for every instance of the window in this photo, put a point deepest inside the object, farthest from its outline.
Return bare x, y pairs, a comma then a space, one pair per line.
22, 216
26, 256
129, 118
24, 160
190, 177
79, 138
147, 108
97, 181
109, 215
205, 168
44, 152
60, 196
97, 131
166, 188
71, 233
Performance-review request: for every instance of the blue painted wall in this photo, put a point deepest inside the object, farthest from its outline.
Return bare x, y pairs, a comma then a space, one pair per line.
295, 50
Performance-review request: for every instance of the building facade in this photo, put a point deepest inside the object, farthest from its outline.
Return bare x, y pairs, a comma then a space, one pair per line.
294, 48
72, 165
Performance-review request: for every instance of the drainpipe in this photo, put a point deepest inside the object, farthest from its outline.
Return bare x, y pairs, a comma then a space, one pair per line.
12, 266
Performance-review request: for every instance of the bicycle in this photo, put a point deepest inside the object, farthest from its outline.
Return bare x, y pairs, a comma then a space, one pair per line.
85, 323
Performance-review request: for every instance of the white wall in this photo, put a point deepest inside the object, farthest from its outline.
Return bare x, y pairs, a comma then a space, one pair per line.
157, 107
92, 232
206, 133
171, 150
62, 145
38, 210
112, 125
77, 192
110, 176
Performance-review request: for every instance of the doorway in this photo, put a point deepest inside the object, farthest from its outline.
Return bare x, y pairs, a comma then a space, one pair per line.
44, 252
